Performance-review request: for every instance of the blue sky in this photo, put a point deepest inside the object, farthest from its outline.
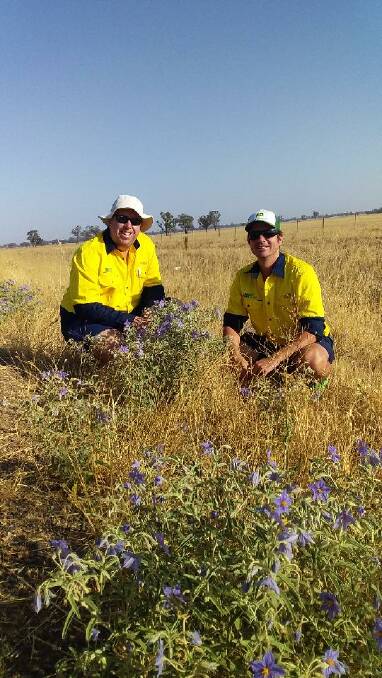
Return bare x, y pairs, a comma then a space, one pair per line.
191, 106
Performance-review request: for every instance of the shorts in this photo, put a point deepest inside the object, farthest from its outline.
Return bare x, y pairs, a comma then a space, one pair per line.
266, 348
78, 330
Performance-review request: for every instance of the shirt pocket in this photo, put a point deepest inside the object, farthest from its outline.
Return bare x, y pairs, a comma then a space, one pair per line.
106, 280
141, 270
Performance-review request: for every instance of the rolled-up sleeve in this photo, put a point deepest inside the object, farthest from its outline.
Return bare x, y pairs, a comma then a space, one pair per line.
311, 313
236, 313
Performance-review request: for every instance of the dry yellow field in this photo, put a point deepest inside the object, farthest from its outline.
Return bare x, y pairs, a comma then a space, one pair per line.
347, 257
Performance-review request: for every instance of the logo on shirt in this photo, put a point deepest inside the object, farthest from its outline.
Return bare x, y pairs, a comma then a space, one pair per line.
248, 295
107, 270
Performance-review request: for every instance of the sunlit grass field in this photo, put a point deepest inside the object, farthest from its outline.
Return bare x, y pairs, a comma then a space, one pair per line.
36, 505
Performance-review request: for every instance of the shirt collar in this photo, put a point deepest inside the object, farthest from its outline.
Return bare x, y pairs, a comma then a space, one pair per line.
278, 268
110, 244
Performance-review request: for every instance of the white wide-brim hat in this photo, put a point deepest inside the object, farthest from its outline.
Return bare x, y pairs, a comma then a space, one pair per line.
132, 203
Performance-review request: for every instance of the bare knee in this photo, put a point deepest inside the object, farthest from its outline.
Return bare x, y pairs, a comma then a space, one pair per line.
316, 357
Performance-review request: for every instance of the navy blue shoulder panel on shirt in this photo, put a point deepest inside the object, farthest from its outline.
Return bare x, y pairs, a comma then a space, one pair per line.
234, 321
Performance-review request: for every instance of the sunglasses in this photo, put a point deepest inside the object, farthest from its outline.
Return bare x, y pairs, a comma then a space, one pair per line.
270, 233
123, 219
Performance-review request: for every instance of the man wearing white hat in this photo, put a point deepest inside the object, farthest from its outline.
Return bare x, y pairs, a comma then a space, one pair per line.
114, 277
281, 296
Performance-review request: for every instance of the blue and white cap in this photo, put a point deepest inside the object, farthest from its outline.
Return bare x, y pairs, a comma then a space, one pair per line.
263, 216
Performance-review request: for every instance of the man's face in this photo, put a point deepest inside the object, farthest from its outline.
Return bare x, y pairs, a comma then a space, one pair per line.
124, 234
263, 240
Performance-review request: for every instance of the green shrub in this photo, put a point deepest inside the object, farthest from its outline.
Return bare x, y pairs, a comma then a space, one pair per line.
211, 568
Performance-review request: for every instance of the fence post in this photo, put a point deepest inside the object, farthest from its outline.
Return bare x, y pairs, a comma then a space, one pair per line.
355, 217
323, 223
186, 242
235, 234
297, 225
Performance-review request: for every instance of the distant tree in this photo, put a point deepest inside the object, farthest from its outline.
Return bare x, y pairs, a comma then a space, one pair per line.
303, 217
168, 223
214, 216
76, 231
89, 232
204, 221
25, 244
185, 222
34, 237
315, 214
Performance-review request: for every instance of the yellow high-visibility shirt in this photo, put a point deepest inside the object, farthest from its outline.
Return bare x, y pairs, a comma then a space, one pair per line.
288, 301
100, 274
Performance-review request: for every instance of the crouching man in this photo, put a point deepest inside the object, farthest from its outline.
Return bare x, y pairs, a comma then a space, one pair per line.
281, 296
114, 277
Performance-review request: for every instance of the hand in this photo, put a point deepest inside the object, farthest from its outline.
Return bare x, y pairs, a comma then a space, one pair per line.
142, 320
264, 366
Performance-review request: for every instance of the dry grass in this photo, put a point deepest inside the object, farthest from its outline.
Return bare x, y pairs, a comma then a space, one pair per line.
347, 259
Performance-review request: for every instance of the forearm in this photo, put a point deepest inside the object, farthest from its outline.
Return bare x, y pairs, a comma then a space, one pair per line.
105, 315
233, 339
303, 340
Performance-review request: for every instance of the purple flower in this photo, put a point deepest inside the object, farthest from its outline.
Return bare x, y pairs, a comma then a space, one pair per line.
238, 464
61, 546
61, 374
361, 511
343, 520
214, 514
377, 633
63, 391
113, 549
270, 583
95, 634
123, 349
333, 665
196, 638
254, 478
298, 636
373, 458
283, 503
363, 448
287, 538
207, 447
135, 500
173, 595
130, 561
158, 481
189, 305
320, 490
245, 392
160, 539
305, 538
267, 667
136, 476
330, 604
126, 528
333, 454
159, 659
69, 565
275, 476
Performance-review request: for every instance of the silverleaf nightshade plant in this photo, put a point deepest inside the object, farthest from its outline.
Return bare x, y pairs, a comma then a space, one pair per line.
266, 593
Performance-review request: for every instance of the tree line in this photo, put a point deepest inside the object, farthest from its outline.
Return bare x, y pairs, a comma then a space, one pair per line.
167, 224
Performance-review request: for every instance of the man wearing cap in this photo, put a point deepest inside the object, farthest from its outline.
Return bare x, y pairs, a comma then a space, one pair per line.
281, 296
114, 277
